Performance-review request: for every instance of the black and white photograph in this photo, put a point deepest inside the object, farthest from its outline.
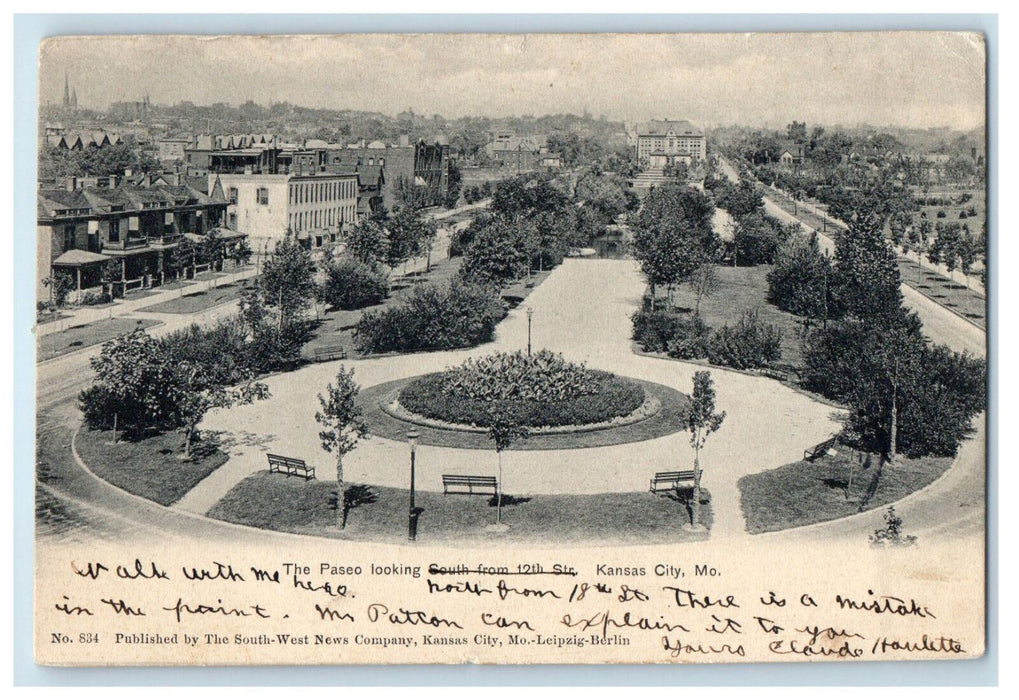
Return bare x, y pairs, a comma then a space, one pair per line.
511, 348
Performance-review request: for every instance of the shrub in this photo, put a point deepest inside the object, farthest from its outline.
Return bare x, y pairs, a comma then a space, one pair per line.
750, 343
654, 329
350, 284
94, 298
432, 317
941, 214
543, 376
612, 397
690, 340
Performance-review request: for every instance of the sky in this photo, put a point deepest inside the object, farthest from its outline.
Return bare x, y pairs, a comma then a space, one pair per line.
910, 79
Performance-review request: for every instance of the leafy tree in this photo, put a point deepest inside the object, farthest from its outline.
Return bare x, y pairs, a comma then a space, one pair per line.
195, 388
368, 243
499, 253
60, 285
800, 282
866, 280
182, 256
350, 284
704, 281
343, 427
503, 430
454, 181
741, 200
701, 420
131, 375
672, 234
287, 282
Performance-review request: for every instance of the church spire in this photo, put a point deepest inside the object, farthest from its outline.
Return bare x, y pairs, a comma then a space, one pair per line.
67, 91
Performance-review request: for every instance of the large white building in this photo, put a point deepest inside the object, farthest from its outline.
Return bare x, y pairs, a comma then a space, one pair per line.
315, 207
664, 142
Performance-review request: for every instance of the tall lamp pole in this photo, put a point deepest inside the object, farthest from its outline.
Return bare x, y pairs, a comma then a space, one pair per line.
530, 315
412, 516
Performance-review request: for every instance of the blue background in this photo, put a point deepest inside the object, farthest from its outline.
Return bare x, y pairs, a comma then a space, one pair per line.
29, 30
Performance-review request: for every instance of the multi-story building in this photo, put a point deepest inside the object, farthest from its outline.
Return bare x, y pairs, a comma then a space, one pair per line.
517, 153
315, 207
418, 171
90, 222
665, 142
173, 149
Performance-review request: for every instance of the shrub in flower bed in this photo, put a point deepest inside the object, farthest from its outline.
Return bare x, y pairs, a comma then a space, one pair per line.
610, 397
543, 376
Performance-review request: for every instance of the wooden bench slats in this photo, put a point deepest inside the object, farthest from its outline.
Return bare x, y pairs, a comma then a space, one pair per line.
331, 352
670, 481
819, 449
486, 484
290, 466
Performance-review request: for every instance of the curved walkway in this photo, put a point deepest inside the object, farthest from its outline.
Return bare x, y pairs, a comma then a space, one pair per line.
582, 310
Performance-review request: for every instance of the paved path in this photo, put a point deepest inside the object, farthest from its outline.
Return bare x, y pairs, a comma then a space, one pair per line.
581, 310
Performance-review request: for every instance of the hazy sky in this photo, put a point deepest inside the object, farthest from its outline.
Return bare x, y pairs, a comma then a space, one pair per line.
896, 78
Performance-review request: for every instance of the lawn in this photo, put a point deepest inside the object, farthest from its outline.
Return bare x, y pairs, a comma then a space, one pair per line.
152, 467
78, 337
804, 492
740, 289
274, 502
193, 303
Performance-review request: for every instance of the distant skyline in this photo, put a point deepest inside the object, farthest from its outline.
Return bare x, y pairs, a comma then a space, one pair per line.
906, 79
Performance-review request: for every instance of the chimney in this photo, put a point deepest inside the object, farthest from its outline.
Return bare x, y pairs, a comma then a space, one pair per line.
128, 172
112, 182
71, 183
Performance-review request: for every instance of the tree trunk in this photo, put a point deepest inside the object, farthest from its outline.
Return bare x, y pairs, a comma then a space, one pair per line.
695, 507
498, 492
187, 442
114, 427
893, 431
341, 511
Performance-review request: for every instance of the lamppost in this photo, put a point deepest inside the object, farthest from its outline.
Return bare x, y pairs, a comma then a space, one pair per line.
530, 315
412, 516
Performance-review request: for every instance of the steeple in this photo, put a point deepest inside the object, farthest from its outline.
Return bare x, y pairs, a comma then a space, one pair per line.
67, 92
74, 98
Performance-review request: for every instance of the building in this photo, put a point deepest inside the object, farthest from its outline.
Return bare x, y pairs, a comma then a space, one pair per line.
517, 153
665, 142
790, 153
314, 206
89, 222
419, 172
172, 150
81, 140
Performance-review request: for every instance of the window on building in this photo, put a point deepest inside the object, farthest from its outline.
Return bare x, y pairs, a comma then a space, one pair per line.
168, 222
114, 230
133, 226
231, 195
262, 196
232, 220
68, 237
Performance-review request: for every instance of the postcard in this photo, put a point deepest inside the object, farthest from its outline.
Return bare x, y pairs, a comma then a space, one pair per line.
477, 348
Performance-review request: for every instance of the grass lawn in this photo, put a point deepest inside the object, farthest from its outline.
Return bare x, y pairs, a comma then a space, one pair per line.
78, 337
200, 301
812, 492
274, 502
151, 468
667, 421
740, 289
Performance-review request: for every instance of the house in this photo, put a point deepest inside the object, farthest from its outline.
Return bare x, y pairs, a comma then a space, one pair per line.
517, 153
790, 153
89, 222
173, 149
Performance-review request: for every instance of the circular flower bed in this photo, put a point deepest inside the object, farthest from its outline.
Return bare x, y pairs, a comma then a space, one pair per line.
540, 391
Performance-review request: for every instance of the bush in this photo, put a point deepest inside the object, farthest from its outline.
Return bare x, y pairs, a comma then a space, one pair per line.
94, 298
941, 214
432, 317
350, 284
654, 329
612, 397
543, 376
98, 407
690, 340
749, 344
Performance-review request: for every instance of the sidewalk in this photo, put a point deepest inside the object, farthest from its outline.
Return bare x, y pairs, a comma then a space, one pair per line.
125, 307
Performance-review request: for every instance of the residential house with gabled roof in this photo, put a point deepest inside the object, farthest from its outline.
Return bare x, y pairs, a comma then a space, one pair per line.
89, 222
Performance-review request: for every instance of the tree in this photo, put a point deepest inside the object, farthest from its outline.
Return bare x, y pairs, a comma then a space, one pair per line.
866, 275
701, 420
368, 243
672, 235
60, 285
287, 282
503, 430
704, 281
194, 388
343, 427
182, 256
454, 181
133, 373
800, 281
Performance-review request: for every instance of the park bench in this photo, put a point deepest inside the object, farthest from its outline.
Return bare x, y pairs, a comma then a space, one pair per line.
812, 453
330, 352
454, 483
673, 481
290, 466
